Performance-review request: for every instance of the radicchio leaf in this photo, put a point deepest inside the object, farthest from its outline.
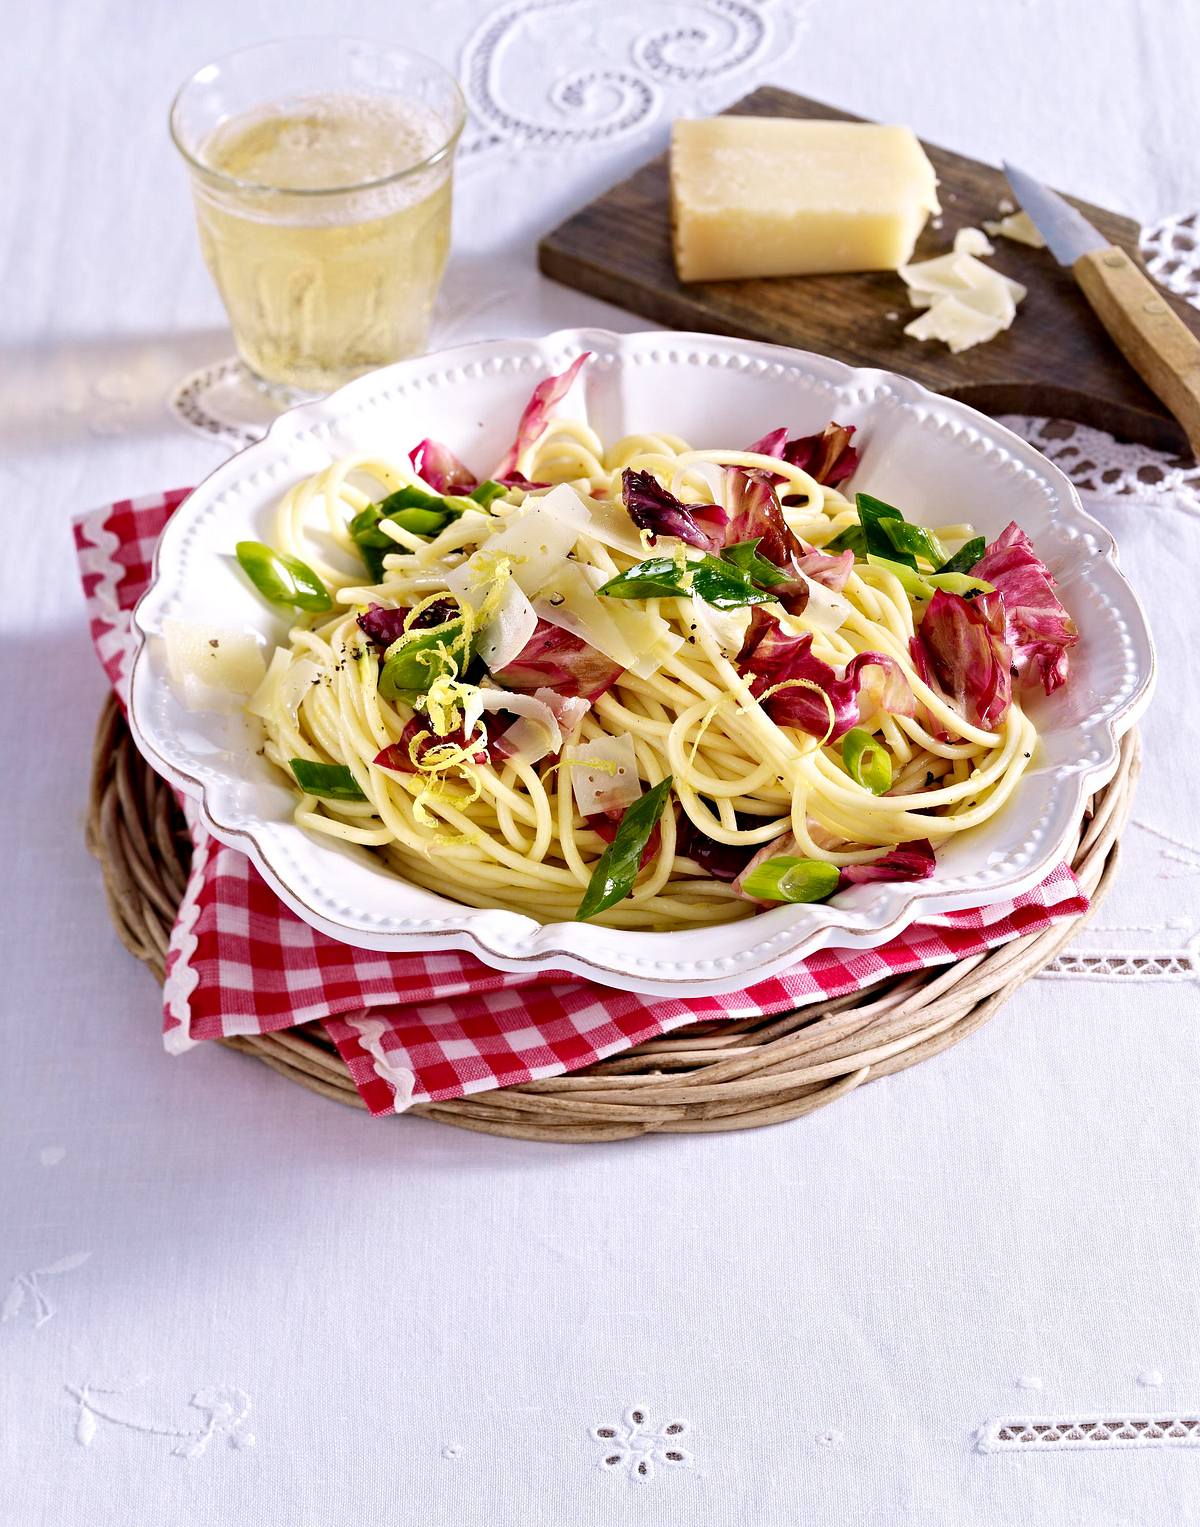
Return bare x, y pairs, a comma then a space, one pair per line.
654, 509
907, 861
831, 569
561, 661
774, 656
828, 456
756, 514
723, 861
437, 465
964, 651
516, 480
605, 823
385, 626
546, 395
399, 756
1036, 626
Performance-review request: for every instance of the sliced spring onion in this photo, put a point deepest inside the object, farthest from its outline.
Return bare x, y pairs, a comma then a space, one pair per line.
617, 868
853, 538
787, 878
914, 583
871, 514
725, 586
965, 558
914, 540
282, 579
414, 510
332, 781
488, 490
718, 583
867, 761
744, 555
959, 583
656, 578
430, 655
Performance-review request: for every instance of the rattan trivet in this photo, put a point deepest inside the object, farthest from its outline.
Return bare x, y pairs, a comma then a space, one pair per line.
711, 1077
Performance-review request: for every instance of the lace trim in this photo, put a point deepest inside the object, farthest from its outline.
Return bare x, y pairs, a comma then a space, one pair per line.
1037, 1432
1124, 967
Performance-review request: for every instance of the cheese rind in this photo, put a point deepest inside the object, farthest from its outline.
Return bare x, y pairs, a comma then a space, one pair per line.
778, 196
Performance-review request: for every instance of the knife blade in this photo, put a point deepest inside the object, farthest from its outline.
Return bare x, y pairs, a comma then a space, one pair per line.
1154, 340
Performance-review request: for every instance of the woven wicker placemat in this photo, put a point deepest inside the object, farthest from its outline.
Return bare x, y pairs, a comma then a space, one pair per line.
710, 1077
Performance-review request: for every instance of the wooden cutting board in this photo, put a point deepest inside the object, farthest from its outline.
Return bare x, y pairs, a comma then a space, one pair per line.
1056, 359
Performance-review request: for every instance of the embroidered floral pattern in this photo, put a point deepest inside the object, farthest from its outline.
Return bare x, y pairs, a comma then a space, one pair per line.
637, 1446
223, 1411
25, 1292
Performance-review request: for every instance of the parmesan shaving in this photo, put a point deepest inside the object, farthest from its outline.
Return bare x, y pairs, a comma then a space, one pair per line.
604, 774
508, 628
1020, 228
210, 666
535, 734
967, 302
535, 539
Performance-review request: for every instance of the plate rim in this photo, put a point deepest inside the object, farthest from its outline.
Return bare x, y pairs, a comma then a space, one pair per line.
795, 944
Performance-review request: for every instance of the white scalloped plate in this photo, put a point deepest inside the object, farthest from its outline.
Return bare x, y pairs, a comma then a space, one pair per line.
939, 459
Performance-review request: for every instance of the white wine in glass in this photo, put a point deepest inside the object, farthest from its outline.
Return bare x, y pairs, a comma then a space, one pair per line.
324, 219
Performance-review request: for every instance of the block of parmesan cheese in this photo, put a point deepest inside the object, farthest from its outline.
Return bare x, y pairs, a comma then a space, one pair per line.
777, 196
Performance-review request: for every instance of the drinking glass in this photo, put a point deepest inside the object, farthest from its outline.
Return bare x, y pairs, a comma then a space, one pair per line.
321, 172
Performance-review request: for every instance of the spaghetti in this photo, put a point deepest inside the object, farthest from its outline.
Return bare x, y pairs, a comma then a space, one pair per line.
494, 705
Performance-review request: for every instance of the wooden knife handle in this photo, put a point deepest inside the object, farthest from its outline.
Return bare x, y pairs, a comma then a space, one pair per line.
1154, 340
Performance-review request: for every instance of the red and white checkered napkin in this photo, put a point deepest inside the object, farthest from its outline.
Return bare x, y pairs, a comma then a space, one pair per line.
421, 1027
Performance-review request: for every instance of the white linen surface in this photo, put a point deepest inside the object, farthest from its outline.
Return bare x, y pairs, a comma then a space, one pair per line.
427, 1325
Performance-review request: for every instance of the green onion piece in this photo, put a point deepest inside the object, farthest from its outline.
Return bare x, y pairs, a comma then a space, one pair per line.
488, 490
716, 582
871, 514
414, 510
332, 781
959, 583
724, 586
745, 557
915, 584
409, 498
421, 522
410, 669
617, 868
853, 538
656, 578
867, 761
282, 579
965, 558
915, 540
790, 879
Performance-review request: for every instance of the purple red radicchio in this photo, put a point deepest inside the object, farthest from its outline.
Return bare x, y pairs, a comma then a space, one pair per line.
962, 649
437, 465
385, 626
399, 755
827, 456
723, 861
816, 700
556, 659
655, 509
757, 515
1036, 626
907, 861
546, 396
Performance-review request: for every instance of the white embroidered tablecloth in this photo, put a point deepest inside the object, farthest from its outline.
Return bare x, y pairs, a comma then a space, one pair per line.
225, 1300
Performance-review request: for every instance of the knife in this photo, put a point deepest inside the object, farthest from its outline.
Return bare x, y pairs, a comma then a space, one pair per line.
1155, 341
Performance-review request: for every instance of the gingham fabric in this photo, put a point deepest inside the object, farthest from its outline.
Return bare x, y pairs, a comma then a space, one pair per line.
422, 1027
